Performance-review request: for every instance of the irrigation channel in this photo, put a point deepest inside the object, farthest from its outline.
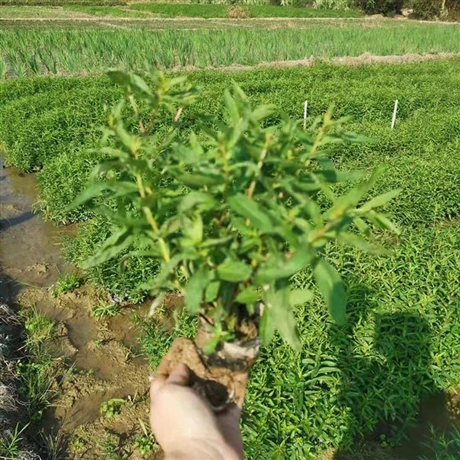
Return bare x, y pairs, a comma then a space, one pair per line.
30, 263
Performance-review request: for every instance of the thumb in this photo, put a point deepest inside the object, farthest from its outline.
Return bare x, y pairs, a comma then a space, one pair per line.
155, 385
180, 375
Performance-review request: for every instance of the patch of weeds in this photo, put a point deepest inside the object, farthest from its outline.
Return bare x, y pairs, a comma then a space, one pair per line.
39, 329
111, 449
103, 309
54, 445
37, 371
37, 385
112, 407
145, 444
10, 443
76, 444
444, 446
66, 283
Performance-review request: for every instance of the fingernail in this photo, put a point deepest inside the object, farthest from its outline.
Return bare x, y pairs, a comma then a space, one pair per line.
151, 378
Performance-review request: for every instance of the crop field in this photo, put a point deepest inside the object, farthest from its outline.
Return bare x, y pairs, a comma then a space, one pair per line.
67, 51
353, 392
412, 290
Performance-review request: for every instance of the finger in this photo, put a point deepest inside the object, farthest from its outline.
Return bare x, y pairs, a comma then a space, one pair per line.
240, 384
155, 385
180, 375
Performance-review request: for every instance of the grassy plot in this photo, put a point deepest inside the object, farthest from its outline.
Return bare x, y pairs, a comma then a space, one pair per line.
400, 343
34, 51
254, 11
108, 11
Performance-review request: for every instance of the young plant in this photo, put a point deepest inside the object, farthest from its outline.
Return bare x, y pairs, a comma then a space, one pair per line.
66, 283
232, 213
112, 407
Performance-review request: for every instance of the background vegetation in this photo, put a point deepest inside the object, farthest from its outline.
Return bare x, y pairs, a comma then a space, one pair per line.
62, 52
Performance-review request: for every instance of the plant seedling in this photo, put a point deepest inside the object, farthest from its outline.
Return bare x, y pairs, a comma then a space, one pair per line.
230, 215
112, 407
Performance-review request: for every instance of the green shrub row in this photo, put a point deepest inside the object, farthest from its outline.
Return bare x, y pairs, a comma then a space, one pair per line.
51, 127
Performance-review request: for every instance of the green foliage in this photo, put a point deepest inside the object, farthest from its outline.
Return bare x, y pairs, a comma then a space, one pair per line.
111, 448
66, 283
122, 281
239, 212
444, 446
39, 329
427, 9
10, 444
70, 52
112, 407
254, 11
103, 309
386, 7
36, 128
37, 371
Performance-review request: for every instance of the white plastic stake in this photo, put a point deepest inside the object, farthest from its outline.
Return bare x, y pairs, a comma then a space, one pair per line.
395, 111
305, 112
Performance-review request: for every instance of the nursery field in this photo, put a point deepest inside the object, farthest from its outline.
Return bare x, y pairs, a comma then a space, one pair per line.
65, 50
357, 386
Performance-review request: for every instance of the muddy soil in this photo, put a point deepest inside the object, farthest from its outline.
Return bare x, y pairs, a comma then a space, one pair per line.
101, 355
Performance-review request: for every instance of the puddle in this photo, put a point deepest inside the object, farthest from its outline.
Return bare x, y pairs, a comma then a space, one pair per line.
29, 252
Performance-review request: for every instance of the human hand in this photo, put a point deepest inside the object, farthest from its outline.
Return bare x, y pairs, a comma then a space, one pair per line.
185, 426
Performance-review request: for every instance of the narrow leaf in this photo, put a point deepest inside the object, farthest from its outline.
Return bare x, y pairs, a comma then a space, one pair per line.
247, 296
300, 296
234, 271
379, 200
195, 289
331, 287
249, 209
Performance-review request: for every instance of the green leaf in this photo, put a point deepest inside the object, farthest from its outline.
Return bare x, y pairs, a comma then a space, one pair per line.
351, 199
266, 327
138, 84
278, 304
199, 180
89, 193
195, 289
247, 296
379, 200
273, 270
211, 345
331, 287
382, 222
231, 106
119, 77
196, 199
234, 271
300, 296
115, 244
355, 240
193, 229
212, 291
251, 210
